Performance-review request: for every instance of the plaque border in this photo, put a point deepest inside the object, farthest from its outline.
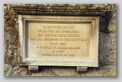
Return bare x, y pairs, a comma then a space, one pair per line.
88, 62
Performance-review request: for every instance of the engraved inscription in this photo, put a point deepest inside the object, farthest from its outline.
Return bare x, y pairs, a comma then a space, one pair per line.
58, 40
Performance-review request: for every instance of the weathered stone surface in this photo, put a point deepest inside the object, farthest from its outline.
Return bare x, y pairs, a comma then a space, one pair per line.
112, 24
14, 70
106, 47
107, 52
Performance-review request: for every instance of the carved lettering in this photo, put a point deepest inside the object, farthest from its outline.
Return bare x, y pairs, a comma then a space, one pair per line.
58, 40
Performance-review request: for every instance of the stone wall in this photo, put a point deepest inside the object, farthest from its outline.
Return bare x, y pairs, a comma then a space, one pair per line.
107, 48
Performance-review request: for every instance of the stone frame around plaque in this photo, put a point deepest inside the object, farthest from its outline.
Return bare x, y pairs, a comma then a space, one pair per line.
91, 61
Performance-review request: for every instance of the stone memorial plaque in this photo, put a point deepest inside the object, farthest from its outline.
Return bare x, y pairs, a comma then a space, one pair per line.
59, 40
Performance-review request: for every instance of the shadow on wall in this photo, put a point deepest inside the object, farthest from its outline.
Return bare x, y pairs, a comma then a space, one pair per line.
103, 48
